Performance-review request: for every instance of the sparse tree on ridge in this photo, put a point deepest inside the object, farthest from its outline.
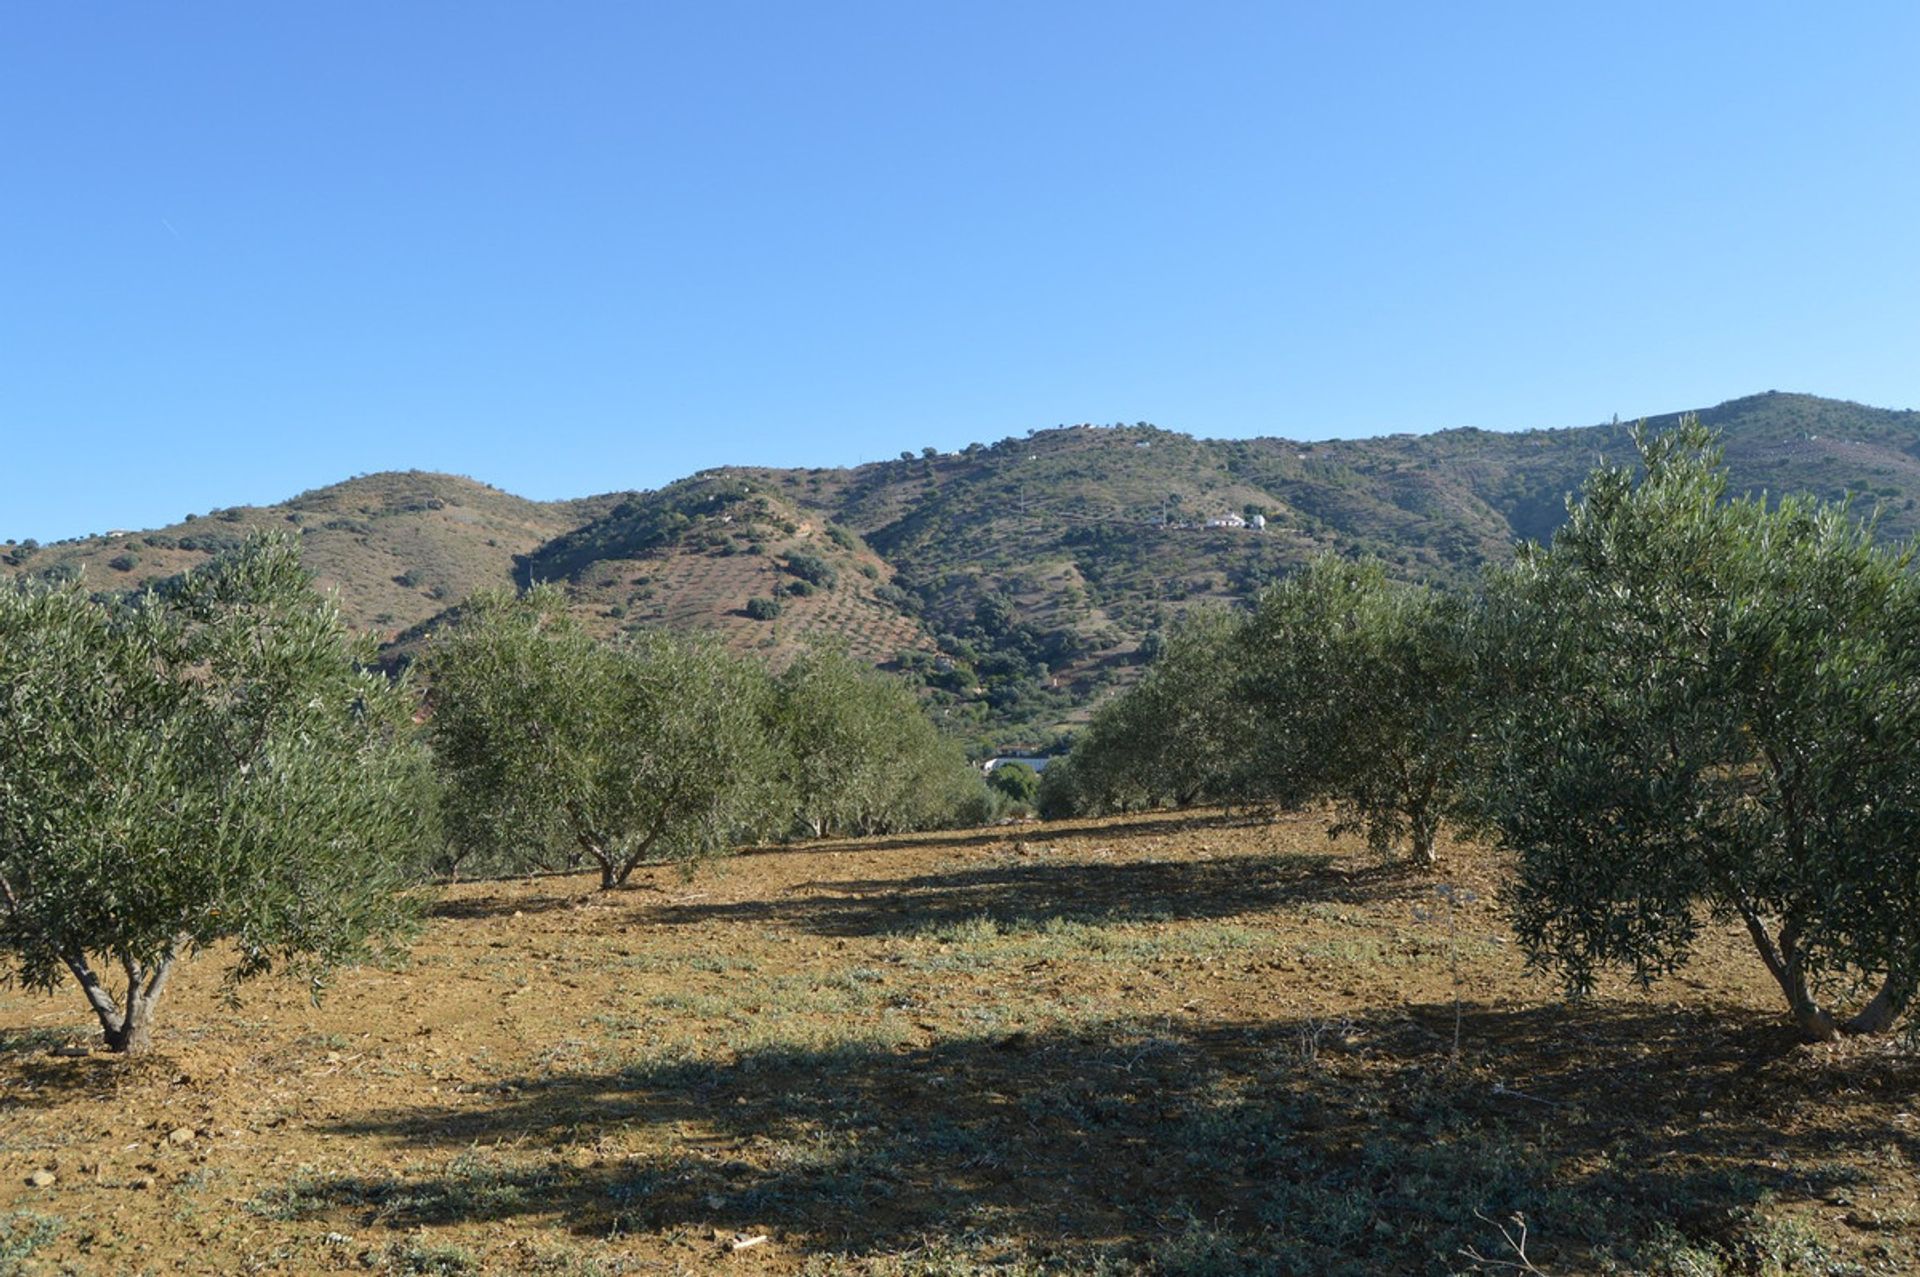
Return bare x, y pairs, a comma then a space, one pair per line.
1708, 709
214, 765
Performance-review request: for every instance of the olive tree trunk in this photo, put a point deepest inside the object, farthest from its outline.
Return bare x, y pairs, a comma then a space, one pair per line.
127, 1026
1817, 1023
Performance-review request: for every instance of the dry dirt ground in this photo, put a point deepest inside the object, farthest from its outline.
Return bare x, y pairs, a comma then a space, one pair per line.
1166, 1044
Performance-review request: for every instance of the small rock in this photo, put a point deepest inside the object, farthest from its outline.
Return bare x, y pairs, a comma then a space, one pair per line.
43, 1179
180, 1135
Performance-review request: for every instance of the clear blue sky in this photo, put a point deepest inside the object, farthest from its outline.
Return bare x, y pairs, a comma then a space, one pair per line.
250, 248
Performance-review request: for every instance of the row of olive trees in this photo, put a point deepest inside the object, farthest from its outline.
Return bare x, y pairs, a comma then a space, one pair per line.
1686, 709
220, 764
1340, 685
556, 747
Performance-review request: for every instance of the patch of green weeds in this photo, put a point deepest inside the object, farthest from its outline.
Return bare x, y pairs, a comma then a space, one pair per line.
984, 941
22, 1232
414, 1257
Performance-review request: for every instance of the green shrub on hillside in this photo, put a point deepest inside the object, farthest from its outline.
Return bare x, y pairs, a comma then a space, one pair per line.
810, 568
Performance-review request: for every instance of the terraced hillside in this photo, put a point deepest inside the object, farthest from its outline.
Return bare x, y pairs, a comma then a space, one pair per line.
1019, 580
720, 553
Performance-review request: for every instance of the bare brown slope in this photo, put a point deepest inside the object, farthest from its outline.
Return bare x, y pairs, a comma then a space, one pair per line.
398, 546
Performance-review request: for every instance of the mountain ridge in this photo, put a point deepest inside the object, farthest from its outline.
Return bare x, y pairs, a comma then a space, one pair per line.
1018, 580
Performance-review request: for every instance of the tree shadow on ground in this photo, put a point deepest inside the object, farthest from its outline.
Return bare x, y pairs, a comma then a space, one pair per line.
1034, 891
1036, 832
1638, 1136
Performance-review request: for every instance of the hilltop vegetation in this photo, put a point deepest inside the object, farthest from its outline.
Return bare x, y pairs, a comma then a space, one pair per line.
1019, 582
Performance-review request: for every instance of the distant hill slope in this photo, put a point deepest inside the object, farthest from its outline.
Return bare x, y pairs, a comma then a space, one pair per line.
398, 547
1018, 580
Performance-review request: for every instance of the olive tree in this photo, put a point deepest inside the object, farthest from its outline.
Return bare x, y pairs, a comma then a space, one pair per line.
553, 743
1181, 734
1709, 709
1358, 687
216, 764
858, 753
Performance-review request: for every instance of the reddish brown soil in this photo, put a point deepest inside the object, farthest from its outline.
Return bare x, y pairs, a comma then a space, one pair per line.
1157, 1044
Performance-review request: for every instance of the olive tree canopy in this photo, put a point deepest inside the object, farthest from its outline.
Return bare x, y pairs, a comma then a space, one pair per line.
1709, 709
214, 764
549, 740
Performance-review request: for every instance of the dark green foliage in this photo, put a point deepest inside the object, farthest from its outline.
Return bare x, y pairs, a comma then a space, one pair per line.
1340, 686
1017, 781
858, 754
554, 746
1180, 736
1359, 691
211, 542
213, 765
810, 568
1706, 709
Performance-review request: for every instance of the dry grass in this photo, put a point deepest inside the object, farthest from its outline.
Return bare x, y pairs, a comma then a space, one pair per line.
1157, 1045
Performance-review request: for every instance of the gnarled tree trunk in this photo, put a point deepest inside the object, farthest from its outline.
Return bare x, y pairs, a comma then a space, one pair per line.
1815, 1022
127, 1028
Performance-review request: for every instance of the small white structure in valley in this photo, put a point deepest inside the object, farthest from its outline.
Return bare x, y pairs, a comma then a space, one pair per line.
1037, 764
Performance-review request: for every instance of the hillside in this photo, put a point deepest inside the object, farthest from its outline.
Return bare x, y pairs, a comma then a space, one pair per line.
1019, 580
398, 547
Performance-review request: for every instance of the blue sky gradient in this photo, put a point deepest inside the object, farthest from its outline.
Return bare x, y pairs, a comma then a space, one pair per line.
249, 249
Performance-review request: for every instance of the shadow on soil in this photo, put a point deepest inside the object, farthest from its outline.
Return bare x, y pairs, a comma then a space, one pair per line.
1638, 1137
1037, 832
1036, 891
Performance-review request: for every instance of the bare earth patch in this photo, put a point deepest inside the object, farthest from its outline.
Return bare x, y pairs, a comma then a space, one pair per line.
1163, 1044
